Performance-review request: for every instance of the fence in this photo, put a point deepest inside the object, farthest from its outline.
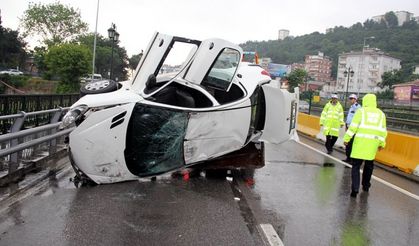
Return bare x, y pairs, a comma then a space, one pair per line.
13, 104
21, 144
403, 119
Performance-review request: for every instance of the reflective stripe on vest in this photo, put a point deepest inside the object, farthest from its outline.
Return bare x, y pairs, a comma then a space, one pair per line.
369, 136
372, 127
350, 133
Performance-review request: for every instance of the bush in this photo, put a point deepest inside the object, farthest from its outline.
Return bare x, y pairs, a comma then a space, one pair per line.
64, 88
387, 94
37, 85
15, 81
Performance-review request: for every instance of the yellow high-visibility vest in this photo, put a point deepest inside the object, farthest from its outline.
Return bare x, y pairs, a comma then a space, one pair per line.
369, 128
332, 119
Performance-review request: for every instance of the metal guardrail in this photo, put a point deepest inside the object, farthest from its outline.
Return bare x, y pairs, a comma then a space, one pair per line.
408, 126
400, 150
13, 104
19, 143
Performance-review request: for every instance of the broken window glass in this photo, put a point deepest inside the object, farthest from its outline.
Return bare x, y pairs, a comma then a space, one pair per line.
222, 72
154, 142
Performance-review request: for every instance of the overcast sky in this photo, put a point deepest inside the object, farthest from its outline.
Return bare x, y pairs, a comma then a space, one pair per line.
235, 20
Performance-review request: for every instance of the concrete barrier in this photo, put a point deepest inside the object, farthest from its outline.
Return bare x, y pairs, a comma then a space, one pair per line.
402, 150
308, 124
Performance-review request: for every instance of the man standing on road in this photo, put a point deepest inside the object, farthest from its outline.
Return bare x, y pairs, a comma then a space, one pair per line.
332, 120
368, 128
354, 106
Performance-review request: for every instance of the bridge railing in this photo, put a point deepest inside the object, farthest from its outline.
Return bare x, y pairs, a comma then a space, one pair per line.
20, 143
13, 104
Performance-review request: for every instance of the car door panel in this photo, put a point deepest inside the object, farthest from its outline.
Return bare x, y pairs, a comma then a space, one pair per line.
281, 113
156, 50
205, 57
215, 133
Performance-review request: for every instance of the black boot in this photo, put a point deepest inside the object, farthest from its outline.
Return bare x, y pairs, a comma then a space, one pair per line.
354, 193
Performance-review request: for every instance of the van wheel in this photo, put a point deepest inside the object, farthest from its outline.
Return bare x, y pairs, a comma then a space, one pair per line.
96, 87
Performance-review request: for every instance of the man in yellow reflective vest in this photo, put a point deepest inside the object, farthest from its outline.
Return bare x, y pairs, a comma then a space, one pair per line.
369, 128
332, 120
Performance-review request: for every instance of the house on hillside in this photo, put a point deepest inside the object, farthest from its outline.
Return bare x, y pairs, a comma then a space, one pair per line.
402, 17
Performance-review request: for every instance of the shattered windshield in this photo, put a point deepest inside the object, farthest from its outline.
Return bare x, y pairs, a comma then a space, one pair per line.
154, 142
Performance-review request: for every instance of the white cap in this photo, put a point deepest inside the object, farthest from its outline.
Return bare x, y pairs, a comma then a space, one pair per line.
334, 96
353, 96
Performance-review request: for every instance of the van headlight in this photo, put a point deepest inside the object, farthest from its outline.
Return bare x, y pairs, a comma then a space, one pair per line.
72, 115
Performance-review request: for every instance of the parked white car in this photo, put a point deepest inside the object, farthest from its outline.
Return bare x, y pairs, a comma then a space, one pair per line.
158, 122
11, 72
89, 78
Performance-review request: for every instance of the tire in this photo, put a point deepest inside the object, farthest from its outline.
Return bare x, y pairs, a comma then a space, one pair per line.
97, 87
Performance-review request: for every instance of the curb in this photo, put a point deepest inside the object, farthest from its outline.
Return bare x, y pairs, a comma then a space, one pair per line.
40, 170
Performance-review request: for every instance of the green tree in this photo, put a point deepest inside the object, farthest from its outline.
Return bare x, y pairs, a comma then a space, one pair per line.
387, 94
69, 62
12, 48
412, 24
103, 56
39, 60
54, 22
134, 60
295, 78
391, 19
391, 78
399, 42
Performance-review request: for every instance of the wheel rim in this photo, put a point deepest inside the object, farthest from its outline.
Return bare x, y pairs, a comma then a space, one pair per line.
94, 86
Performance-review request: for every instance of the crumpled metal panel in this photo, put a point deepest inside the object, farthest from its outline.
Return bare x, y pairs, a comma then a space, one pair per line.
215, 133
155, 140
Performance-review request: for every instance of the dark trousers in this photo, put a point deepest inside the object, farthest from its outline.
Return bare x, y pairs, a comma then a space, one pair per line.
330, 142
366, 175
348, 148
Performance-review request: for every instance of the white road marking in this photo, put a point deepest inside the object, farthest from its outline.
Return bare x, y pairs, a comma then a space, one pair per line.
374, 177
271, 235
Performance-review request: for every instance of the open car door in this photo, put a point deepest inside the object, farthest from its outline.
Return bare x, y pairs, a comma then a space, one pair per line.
215, 64
151, 59
281, 113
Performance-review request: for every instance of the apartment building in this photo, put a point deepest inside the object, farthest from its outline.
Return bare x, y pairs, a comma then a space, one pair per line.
318, 67
283, 33
368, 66
402, 17
295, 66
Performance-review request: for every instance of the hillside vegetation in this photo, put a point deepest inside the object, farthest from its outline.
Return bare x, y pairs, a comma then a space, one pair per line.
401, 42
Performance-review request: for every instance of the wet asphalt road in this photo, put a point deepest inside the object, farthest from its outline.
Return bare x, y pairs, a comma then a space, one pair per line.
165, 212
312, 204
306, 202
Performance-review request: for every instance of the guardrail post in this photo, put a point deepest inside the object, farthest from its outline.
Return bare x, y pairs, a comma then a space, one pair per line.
6, 112
14, 158
53, 143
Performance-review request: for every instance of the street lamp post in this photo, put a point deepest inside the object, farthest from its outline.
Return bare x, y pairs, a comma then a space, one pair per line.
113, 36
348, 73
